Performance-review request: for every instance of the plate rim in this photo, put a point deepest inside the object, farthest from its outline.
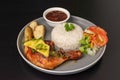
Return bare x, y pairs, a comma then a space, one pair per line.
58, 72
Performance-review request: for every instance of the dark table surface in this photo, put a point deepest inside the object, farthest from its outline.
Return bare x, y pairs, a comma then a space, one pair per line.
17, 13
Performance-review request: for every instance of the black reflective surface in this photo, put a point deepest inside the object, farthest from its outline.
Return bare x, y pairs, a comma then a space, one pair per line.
15, 14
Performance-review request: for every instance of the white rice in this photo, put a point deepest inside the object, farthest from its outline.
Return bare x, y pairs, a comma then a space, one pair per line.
67, 40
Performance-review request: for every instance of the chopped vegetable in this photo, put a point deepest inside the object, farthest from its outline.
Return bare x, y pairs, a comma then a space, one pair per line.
100, 38
94, 37
56, 54
69, 27
53, 53
91, 51
33, 51
85, 44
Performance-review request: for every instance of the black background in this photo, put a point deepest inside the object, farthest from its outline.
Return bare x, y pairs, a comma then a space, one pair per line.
15, 14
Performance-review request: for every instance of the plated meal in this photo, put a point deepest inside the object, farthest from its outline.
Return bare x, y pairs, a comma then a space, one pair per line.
48, 48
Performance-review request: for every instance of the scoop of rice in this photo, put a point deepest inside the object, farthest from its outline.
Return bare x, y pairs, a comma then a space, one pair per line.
67, 40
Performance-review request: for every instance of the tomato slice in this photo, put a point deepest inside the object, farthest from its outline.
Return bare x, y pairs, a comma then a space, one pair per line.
100, 38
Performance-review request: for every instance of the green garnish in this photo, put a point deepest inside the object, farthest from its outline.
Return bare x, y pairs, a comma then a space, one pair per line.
69, 27
85, 44
53, 53
41, 47
33, 50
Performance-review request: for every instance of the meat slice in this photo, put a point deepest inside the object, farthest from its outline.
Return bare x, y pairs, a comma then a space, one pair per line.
51, 62
74, 54
51, 44
71, 54
44, 62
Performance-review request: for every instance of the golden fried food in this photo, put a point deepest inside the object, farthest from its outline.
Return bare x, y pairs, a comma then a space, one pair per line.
28, 34
39, 32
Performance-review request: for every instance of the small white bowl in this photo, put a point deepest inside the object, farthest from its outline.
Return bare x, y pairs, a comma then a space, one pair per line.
55, 23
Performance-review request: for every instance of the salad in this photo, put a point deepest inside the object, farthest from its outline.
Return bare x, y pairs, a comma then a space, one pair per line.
94, 37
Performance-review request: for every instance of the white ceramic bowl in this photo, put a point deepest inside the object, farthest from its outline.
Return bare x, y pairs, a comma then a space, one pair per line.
54, 23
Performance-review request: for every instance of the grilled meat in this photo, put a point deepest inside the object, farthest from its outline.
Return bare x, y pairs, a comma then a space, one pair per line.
51, 62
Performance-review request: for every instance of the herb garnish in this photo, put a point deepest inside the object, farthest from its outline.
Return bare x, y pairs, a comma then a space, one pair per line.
85, 44
69, 27
41, 47
33, 50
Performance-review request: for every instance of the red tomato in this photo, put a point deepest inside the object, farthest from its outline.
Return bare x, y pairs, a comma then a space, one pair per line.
100, 37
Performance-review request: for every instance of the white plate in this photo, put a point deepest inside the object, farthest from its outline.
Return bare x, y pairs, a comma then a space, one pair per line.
69, 67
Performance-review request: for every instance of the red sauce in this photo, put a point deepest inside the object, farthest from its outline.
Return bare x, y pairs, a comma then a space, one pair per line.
56, 16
